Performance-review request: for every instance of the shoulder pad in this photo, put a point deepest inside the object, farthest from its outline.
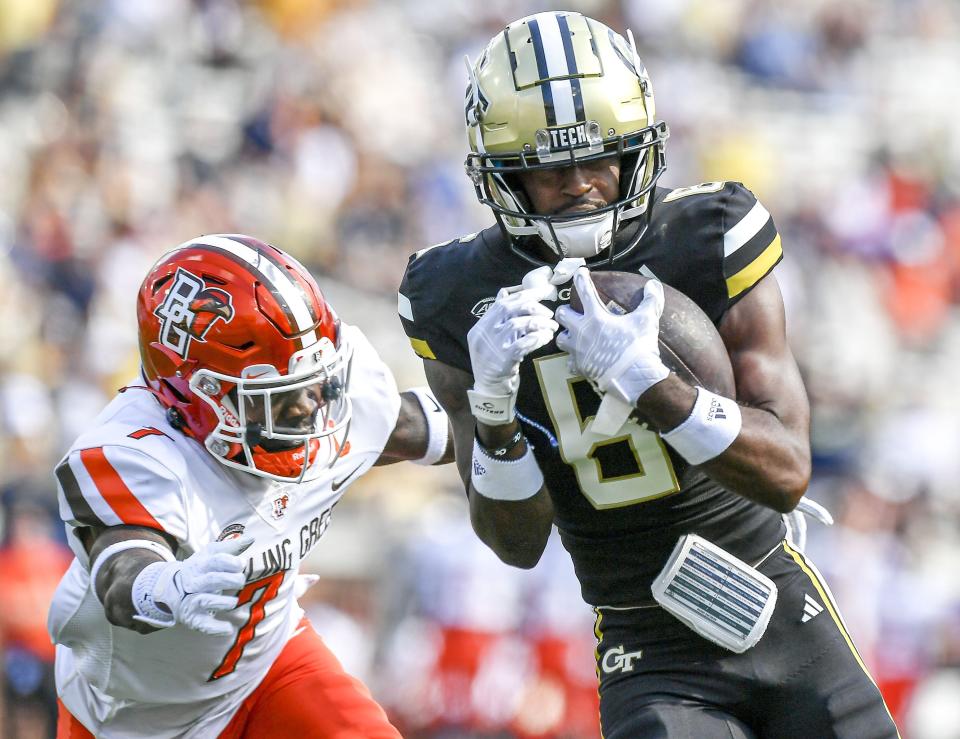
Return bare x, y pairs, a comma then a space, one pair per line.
751, 242
113, 485
432, 275
375, 397
749, 239
451, 242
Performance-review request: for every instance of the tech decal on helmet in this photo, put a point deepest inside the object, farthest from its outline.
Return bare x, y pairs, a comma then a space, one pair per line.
239, 345
551, 90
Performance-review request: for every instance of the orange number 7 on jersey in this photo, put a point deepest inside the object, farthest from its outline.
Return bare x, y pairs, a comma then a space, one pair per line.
267, 587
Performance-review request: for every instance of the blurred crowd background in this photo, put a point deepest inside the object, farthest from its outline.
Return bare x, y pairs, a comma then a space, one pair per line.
335, 130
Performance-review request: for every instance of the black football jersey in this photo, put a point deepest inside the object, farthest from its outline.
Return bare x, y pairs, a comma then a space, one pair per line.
621, 503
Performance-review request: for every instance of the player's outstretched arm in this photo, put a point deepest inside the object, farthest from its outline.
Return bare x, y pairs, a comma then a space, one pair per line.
516, 524
113, 574
143, 587
422, 435
769, 459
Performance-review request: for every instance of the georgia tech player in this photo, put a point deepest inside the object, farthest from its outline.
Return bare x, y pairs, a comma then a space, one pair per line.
709, 622
195, 495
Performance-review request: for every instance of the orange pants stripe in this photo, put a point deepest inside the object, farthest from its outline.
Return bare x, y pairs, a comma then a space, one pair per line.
67, 726
306, 695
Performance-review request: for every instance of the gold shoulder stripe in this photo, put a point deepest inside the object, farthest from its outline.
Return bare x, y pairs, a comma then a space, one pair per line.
751, 274
422, 348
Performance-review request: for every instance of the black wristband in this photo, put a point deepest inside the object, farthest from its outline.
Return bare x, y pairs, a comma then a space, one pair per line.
501, 451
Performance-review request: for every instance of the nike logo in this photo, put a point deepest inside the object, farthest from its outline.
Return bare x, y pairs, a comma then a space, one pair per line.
337, 484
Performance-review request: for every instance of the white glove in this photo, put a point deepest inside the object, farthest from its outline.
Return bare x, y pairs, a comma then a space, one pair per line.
618, 353
514, 325
191, 592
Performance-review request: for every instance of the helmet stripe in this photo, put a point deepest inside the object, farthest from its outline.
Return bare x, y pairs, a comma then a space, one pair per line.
548, 43
308, 293
289, 295
546, 89
571, 58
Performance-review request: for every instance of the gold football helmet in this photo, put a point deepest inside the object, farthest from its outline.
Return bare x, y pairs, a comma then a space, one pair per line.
552, 90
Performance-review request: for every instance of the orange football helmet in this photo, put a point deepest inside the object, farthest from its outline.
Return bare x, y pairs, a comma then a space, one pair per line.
238, 343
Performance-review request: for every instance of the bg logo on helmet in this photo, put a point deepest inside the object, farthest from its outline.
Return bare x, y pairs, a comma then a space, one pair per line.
189, 311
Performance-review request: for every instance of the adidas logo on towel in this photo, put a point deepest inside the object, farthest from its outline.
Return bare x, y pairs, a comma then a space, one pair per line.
811, 608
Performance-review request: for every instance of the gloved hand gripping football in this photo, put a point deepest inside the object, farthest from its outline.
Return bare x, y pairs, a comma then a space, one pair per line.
618, 353
514, 325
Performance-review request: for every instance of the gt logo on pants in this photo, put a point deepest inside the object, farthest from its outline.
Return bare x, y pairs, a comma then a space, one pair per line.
615, 660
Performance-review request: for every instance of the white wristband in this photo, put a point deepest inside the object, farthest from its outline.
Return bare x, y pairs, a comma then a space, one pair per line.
144, 587
505, 479
711, 427
437, 426
492, 410
122, 546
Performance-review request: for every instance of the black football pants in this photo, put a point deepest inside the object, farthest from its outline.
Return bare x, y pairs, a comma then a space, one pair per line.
803, 680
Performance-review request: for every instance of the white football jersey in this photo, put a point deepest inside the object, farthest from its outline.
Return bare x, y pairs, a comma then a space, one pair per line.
133, 468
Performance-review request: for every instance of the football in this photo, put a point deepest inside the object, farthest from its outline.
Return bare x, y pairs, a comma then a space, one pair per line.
689, 342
